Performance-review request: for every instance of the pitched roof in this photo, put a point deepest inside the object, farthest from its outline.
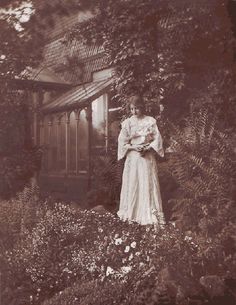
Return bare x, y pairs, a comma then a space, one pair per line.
73, 62
63, 23
42, 75
78, 96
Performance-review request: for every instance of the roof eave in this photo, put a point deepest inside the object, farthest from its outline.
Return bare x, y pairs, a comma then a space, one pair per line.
76, 105
27, 83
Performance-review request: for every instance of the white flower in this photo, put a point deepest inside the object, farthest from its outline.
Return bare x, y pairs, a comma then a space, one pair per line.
126, 269
188, 238
118, 241
133, 244
66, 270
131, 256
92, 267
127, 248
109, 271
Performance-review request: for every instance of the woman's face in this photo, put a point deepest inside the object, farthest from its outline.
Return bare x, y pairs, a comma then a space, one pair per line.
136, 110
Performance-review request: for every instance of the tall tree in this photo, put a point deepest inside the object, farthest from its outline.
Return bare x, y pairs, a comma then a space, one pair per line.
178, 53
18, 49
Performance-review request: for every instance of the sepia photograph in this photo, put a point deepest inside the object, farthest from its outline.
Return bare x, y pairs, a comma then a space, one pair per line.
117, 152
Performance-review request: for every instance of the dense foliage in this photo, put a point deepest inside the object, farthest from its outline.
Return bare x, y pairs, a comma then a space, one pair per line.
203, 164
84, 257
19, 49
178, 55
174, 52
107, 175
60, 255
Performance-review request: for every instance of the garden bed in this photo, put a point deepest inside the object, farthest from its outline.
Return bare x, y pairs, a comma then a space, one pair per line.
73, 256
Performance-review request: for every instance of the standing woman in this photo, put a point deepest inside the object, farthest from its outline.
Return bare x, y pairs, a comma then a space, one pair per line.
138, 141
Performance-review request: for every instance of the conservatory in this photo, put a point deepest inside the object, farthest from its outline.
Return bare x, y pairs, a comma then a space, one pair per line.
75, 118
76, 128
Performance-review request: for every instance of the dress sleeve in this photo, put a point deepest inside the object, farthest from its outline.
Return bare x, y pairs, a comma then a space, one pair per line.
123, 140
157, 143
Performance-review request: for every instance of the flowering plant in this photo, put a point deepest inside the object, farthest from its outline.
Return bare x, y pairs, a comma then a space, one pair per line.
79, 246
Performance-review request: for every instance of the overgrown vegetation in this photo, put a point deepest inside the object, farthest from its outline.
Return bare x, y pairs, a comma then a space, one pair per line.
19, 159
107, 174
176, 53
59, 254
83, 257
203, 163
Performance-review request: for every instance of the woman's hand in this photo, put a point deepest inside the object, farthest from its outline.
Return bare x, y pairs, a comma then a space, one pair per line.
142, 148
137, 148
145, 149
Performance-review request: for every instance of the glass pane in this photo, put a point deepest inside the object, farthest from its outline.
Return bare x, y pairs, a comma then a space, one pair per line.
114, 120
41, 140
99, 121
72, 141
83, 142
45, 139
53, 146
42, 127
62, 145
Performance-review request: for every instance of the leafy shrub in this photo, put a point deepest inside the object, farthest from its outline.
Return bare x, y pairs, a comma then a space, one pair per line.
18, 214
107, 176
17, 169
63, 246
203, 165
91, 292
168, 186
116, 262
17, 217
101, 251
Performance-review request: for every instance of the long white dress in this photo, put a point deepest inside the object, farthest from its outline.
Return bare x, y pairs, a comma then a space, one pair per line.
140, 198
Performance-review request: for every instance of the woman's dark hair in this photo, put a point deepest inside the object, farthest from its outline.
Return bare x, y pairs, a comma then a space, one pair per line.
136, 100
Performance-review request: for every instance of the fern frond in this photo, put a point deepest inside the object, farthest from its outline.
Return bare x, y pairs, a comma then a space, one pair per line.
204, 167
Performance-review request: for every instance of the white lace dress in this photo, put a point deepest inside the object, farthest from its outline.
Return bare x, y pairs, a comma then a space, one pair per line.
140, 198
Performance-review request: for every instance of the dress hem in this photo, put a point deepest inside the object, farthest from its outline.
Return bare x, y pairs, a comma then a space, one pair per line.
158, 220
